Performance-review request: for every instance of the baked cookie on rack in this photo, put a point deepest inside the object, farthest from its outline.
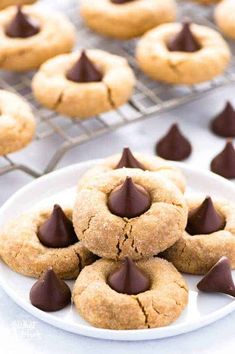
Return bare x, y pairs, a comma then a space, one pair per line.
140, 161
6, 3
41, 239
84, 84
126, 19
207, 2
29, 36
148, 294
129, 212
225, 17
183, 53
17, 123
209, 235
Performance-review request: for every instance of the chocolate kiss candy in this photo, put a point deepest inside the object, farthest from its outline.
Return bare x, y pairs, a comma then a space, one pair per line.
184, 41
57, 231
22, 26
205, 219
224, 163
128, 279
174, 145
218, 279
84, 71
50, 293
129, 200
128, 160
224, 123
121, 1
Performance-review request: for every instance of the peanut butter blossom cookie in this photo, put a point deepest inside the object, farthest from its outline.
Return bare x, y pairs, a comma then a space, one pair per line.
29, 36
129, 212
209, 235
148, 294
6, 3
84, 84
182, 53
41, 239
17, 123
225, 17
137, 161
126, 19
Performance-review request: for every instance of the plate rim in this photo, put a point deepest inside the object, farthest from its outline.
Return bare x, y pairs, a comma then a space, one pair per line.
101, 333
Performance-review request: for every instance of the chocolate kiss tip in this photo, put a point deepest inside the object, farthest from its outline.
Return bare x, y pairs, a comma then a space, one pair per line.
224, 163
129, 279
50, 293
174, 145
205, 219
57, 231
84, 71
22, 26
224, 124
128, 160
184, 41
218, 279
129, 200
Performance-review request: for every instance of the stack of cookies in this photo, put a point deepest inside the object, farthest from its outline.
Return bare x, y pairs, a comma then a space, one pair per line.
125, 241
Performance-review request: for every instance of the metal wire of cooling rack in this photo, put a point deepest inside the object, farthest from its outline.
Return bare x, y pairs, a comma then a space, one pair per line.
149, 97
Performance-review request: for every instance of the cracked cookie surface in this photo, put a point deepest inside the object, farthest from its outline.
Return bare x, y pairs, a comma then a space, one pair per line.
127, 20
83, 100
111, 236
17, 123
22, 54
151, 164
22, 251
197, 254
225, 17
103, 307
159, 63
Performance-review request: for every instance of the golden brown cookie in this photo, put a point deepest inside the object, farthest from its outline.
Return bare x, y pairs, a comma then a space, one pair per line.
22, 251
149, 163
196, 254
103, 307
5, 3
54, 90
178, 67
207, 2
22, 54
111, 236
225, 17
128, 20
17, 123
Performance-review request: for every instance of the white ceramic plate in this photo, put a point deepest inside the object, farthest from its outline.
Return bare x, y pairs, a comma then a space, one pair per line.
60, 187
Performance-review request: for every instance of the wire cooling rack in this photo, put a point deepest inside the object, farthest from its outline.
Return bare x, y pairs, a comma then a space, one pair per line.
149, 96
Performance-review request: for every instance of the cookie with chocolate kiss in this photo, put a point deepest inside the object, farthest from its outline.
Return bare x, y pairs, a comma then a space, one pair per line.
129, 200
224, 124
205, 219
224, 163
128, 160
129, 279
184, 41
218, 279
57, 231
22, 26
50, 293
84, 71
174, 145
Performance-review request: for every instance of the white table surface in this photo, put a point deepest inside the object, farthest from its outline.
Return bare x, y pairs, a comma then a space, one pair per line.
22, 333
